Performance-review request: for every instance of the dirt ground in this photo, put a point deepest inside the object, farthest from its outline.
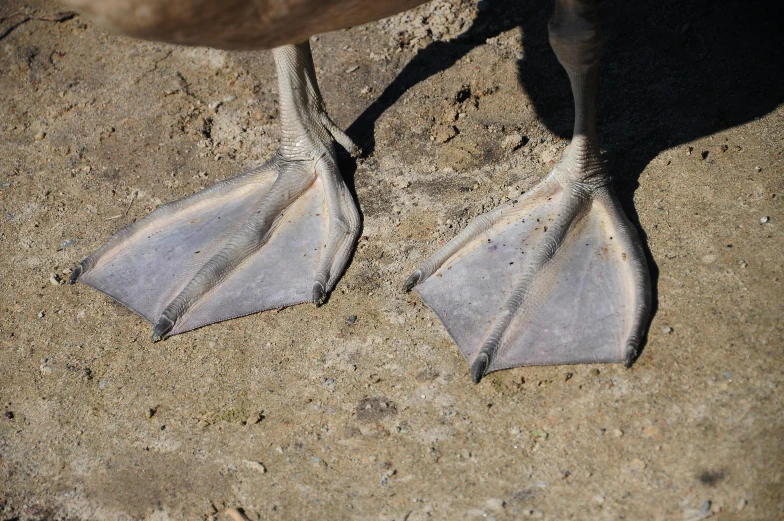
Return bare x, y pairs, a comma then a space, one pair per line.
301, 414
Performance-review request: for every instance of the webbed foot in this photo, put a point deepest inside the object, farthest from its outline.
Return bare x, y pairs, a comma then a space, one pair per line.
276, 236
557, 276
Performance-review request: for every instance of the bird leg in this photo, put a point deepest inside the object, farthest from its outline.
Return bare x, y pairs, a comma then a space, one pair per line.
278, 235
558, 275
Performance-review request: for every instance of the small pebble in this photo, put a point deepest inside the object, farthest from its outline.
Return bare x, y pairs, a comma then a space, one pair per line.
254, 418
764, 220
512, 141
255, 465
638, 465
55, 280
237, 514
350, 320
102, 384
539, 434
39, 136
9, 415
617, 433
741, 504
65, 244
444, 133
758, 169
41, 314
650, 431
352, 68
666, 330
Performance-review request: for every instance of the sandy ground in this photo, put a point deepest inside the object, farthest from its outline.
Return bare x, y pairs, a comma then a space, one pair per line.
299, 415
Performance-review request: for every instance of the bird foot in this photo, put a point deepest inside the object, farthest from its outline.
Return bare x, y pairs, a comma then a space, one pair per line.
556, 276
276, 236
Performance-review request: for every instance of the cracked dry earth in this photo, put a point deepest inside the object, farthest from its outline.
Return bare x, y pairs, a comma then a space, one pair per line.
364, 408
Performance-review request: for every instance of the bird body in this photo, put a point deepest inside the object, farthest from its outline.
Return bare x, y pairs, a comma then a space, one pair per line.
234, 24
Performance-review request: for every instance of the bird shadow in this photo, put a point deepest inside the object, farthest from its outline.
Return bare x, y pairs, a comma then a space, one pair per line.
672, 71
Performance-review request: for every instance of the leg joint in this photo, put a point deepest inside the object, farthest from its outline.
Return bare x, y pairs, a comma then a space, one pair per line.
574, 33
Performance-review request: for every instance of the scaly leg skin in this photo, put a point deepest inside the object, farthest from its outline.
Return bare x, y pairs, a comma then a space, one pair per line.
276, 236
557, 276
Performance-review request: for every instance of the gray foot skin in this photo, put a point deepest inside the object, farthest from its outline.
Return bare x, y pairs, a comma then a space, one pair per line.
278, 235
557, 276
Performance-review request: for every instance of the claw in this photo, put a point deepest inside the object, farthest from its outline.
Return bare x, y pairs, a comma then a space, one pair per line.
479, 367
319, 293
631, 355
412, 281
163, 326
75, 274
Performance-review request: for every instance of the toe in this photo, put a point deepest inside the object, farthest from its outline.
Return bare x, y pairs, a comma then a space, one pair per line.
75, 274
319, 293
163, 326
414, 279
479, 367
